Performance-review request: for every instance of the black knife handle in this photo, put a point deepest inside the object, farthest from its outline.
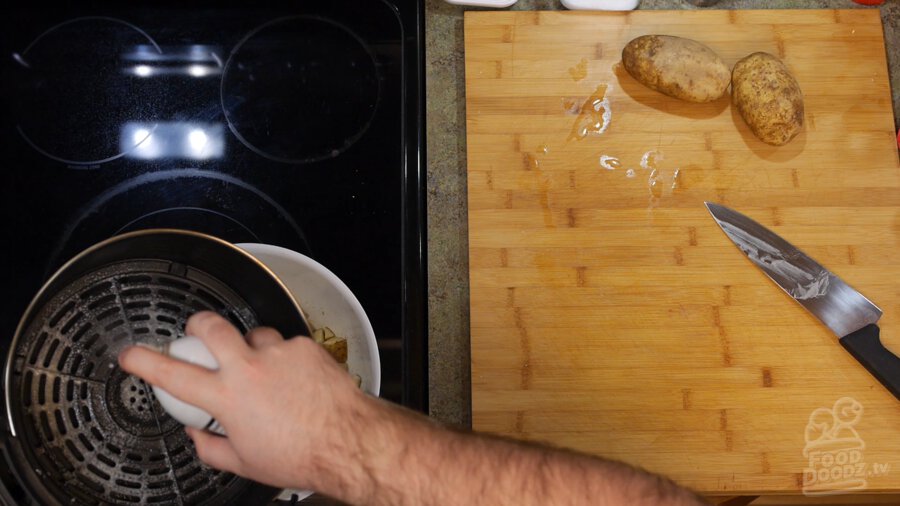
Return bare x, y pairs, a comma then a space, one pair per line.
866, 347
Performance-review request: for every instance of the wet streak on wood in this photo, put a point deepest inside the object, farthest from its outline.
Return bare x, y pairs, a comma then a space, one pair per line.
723, 419
529, 162
489, 180
729, 440
525, 345
572, 184
776, 217
509, 33
764, 460
795, 178
686, 398
707, 141
717, 316
679, 256
511, 296
570, 218
767, 377
520, 422
732, 17
504, 257
727, 299
598, 51
571, 105
517, 143
851, 255
580, 278
692, 236
508, 201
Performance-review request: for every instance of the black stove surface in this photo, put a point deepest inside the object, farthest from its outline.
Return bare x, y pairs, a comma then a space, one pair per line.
298, 125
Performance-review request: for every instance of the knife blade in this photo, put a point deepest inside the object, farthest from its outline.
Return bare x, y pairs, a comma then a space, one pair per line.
848, 313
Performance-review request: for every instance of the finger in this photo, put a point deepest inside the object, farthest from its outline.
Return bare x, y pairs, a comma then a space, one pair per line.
263, 336
224, 341
215, 450
190, 383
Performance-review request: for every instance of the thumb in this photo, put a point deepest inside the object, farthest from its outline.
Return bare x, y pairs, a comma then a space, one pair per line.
215, 450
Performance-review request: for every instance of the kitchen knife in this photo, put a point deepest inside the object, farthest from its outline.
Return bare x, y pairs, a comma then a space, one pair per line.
849, 314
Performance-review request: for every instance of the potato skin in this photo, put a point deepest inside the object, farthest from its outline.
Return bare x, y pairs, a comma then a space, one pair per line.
768, 98
678, 67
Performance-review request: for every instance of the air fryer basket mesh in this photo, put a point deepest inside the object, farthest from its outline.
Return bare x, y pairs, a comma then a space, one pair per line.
93, 433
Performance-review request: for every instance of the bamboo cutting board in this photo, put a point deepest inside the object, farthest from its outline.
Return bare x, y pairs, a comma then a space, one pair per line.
609, 312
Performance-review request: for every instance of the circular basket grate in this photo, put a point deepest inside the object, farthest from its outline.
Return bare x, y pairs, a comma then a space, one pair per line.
91, 432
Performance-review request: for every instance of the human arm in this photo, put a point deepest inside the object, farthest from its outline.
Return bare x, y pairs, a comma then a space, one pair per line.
295, 419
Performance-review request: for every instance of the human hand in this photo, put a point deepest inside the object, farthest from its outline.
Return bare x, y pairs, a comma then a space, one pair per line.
295, 419
290, 412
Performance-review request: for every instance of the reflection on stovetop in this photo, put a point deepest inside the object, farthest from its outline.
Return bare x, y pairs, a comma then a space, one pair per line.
298, 127
256, 126
229, 200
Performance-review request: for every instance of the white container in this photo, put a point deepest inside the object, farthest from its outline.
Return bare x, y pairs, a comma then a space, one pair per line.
601, 5
327, 302
500, 4
192, 350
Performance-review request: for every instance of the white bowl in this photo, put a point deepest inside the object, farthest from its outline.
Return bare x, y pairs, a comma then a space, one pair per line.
327, 302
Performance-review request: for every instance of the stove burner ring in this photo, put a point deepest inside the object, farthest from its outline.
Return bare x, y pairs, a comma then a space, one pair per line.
92, 432
53, 28
300, 89
136, 223
23, 60
155, 183
80, 164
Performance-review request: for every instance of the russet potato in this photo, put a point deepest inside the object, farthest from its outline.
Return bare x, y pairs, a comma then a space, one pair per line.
678, 67
768, 98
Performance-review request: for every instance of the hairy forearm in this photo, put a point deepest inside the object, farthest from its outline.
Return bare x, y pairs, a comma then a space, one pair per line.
402, 458
519, 473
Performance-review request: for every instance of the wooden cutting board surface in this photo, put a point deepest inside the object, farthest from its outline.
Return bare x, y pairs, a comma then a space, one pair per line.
610, 314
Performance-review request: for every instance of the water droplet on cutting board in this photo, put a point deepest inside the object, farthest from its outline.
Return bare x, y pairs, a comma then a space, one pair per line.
570, 105
653, 183
662, 183
595, 115
609, 162
579, 71
651, 160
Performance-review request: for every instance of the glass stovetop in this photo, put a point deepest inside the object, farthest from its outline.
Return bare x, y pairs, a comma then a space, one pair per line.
297, 127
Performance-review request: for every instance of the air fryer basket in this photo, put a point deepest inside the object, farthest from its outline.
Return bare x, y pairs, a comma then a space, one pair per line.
86, 432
